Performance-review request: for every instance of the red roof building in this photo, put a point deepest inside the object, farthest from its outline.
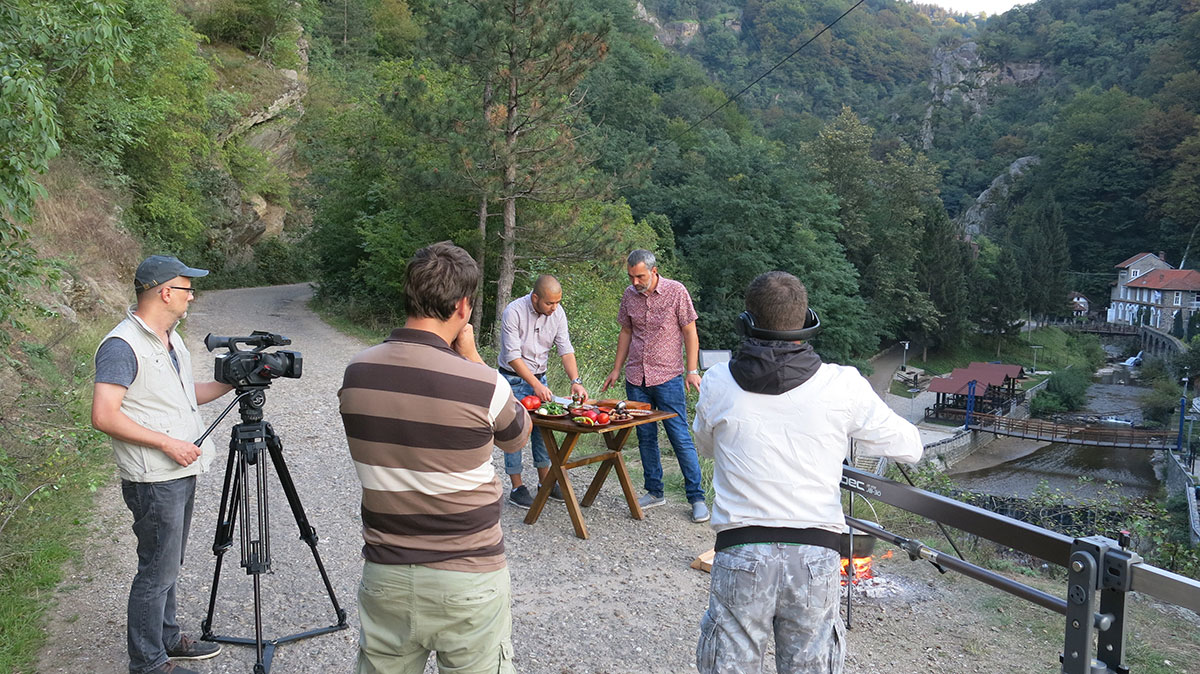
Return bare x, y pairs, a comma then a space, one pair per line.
1168, 279
995, 385
1149, 292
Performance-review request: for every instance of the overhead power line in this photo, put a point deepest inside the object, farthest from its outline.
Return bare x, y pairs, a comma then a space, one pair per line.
768, 72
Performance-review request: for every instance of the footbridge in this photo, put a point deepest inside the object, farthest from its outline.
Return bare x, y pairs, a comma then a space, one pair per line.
1070, 434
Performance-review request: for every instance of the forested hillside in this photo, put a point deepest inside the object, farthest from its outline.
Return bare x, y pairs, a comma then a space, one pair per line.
550, 136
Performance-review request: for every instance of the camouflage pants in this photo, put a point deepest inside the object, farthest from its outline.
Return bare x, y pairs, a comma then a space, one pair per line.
790, 590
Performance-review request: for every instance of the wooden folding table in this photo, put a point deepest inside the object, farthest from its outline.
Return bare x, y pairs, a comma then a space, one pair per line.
615, 435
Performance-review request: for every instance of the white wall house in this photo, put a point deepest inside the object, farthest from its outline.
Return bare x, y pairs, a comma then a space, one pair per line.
1149, 291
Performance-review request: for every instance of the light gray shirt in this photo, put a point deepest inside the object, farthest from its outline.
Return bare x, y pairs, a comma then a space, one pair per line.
528, 335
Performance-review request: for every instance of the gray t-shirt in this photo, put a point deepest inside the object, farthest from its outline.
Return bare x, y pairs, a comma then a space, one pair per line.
116, 364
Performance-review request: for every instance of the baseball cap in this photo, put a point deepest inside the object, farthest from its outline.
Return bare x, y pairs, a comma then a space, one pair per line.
158, 269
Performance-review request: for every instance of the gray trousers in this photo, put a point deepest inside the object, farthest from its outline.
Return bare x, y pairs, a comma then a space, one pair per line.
162, 515
760, 589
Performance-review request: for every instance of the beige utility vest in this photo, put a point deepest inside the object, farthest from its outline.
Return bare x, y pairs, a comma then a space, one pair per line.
161, 399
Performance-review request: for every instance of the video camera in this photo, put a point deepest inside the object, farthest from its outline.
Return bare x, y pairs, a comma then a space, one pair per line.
255, 368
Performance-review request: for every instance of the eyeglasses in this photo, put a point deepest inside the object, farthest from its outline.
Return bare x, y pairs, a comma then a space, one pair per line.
190, 290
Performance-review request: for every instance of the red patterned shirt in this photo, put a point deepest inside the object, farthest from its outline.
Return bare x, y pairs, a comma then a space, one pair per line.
656, 320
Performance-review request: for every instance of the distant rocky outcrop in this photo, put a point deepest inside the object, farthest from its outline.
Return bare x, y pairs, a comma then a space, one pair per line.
269, 127
975, 220
671, 33
959, 77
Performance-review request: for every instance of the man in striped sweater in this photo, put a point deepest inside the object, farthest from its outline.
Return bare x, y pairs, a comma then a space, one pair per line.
422, 412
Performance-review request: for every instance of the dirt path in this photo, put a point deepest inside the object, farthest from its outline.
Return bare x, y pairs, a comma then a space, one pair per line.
622, 601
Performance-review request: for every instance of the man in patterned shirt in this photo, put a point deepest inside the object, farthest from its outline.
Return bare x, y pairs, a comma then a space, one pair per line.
658, 324
422, 412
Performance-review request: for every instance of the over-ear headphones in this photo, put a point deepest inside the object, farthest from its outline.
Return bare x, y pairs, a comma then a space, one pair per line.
745, 328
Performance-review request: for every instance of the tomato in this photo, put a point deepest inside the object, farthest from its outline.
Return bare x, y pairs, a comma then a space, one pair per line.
591, 414
602, 418
531, 402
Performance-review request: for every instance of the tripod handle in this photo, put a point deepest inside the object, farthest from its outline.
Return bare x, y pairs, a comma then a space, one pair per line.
223, 414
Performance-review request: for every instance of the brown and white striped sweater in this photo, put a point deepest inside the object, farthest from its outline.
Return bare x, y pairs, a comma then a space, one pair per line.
421, 421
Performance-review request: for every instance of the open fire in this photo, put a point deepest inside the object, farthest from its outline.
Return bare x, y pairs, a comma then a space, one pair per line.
862, 567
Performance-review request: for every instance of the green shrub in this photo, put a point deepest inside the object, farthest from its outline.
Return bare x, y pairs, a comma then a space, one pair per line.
268, 28
1070, 387
1161, 402
1046, 403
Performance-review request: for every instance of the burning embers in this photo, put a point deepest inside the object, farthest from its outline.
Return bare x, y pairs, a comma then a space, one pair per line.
862, 567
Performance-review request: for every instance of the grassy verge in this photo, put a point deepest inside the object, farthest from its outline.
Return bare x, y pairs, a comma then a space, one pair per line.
51, 463
1059, 349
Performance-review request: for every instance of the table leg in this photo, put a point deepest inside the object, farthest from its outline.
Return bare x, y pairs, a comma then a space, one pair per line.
597, 482
556, 474
615, 444
556, 460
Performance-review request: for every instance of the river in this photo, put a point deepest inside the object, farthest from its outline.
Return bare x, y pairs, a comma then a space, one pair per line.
1015, 467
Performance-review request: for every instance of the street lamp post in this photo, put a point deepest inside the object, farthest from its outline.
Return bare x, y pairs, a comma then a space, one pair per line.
1035, 348
904, 358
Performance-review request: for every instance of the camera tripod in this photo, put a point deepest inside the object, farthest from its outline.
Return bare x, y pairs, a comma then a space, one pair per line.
245, 492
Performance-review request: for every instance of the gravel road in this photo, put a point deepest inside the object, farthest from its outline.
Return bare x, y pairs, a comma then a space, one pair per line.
623, 601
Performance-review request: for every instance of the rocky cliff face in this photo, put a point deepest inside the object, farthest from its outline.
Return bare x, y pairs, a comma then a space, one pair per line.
975, 220
671, 33
959, 77
267, 127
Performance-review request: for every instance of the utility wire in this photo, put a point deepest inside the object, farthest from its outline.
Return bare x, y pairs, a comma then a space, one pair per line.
768, 72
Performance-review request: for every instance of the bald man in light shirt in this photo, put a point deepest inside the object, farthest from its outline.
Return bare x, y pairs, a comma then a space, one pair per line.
529, 327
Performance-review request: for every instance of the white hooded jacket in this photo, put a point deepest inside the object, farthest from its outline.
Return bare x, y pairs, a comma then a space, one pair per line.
778, 452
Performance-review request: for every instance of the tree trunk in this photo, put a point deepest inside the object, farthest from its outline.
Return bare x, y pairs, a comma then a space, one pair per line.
508, 250
481, 253
508, 239
480, 256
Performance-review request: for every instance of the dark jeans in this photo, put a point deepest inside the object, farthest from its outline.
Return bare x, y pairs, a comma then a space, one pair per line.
537, 446
162, 513
671, 397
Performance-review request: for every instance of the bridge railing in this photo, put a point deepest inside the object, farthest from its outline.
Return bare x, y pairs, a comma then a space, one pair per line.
1049, 431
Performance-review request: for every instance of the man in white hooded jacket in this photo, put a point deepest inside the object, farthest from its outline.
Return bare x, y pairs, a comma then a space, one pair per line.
777, 422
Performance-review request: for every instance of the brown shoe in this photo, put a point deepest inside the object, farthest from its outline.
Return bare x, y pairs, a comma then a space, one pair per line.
190, 649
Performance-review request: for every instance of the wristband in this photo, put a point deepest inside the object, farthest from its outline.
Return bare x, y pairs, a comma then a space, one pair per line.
577, 380
693, 371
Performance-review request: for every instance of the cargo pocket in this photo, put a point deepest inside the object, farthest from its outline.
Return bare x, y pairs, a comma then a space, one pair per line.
837, 647
506, 658
824, 581
734, 579
706, 649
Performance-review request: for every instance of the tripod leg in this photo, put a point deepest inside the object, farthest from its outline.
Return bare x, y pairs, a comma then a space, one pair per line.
223, 538
307, 533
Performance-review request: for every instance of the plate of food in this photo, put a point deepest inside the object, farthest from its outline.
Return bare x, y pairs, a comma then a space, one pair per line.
592, 418
550, 410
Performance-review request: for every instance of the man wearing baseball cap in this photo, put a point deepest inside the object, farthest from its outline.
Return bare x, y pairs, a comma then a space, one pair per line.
147, 402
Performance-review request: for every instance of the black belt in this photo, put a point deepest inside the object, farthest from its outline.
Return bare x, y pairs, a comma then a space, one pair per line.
746, 535
509, 373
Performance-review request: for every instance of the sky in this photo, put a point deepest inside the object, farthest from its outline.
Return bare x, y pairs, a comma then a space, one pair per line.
977, 6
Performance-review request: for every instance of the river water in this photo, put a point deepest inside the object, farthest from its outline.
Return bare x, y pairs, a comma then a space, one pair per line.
1016, 467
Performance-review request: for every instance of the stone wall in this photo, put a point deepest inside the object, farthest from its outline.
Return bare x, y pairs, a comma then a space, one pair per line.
1179, 480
